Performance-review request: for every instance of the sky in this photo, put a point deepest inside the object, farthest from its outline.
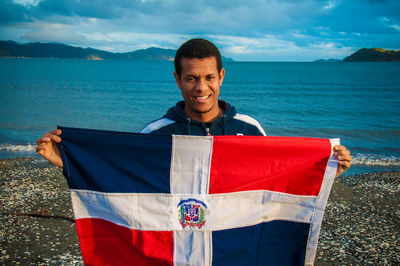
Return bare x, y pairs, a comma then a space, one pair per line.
247, 30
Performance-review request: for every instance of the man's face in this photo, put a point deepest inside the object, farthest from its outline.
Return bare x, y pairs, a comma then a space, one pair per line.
199, 84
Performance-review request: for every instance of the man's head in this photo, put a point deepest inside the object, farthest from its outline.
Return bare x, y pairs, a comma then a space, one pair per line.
199, 75
196, 48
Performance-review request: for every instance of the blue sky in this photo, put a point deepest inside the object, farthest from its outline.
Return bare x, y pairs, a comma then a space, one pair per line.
251, 30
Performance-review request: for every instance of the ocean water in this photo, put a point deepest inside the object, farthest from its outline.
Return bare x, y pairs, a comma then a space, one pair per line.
356, 102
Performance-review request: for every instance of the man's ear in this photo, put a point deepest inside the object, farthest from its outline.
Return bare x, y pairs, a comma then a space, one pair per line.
177, 80
221, 76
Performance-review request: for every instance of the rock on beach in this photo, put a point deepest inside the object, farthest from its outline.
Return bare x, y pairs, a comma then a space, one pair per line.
361, 223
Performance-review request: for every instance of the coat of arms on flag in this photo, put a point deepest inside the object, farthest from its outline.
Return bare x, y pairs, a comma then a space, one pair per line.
192, 213
187, 200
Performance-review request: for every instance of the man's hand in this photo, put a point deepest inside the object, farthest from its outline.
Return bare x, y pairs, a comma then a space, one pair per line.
344, 158
48, 148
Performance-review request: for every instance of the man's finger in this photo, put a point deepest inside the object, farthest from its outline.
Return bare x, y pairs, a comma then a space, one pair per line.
345, 157
41, 147
344, 166
52, 135
55, 138
337, 147
55, 132
43, 139
343, 152
345, 163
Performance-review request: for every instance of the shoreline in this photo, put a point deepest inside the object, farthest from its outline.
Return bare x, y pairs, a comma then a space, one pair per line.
361, 222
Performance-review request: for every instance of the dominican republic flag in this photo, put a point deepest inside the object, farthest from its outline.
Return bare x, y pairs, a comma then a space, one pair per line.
141, 199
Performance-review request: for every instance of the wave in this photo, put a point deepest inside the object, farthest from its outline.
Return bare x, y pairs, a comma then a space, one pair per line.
18, 147
375, 160
358, 159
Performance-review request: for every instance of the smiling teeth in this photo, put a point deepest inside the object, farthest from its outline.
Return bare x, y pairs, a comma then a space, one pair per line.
201, 97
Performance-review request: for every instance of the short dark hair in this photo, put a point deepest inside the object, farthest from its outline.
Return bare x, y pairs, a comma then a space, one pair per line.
197, 48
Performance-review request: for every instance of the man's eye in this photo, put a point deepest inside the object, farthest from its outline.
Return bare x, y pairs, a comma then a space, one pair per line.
210, 77
189, 79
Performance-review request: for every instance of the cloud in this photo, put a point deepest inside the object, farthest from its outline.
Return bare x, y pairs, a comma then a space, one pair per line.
250, 29
329, 5
389, 23
188, 17
53, 32
272, 48
123, 41
27, 2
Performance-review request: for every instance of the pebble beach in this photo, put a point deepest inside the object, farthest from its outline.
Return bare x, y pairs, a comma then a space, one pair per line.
361, 223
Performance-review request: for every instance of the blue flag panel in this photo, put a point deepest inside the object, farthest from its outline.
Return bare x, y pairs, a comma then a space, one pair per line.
94, 158
270, 243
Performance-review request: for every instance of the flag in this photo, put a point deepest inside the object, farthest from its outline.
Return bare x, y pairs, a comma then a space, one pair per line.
143, 199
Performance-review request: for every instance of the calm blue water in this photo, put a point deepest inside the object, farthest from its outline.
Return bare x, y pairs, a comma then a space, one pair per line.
357, 102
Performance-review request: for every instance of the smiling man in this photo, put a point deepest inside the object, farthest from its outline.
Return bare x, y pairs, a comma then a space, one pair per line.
199, 75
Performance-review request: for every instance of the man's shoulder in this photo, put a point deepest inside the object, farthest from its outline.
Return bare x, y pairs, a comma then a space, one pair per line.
248, 120
156, 125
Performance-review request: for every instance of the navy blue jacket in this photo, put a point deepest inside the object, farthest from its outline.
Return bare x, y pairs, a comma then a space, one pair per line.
176, 122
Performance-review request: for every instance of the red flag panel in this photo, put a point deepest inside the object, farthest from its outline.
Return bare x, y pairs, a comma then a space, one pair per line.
106, 243
276, 166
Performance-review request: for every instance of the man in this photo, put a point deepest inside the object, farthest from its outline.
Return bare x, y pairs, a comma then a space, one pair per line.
199, 75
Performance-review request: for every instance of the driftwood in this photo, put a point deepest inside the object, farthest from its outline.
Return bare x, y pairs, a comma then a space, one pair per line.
45, 213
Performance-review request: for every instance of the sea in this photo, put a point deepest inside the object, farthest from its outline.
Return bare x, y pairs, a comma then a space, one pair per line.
358, 102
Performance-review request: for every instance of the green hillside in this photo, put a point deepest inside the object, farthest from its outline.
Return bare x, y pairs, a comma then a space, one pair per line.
373, 55
59, 50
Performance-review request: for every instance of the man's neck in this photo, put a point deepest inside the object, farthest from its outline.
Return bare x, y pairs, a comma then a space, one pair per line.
205, 117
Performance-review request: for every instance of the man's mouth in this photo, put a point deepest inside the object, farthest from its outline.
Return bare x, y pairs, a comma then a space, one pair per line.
202, 98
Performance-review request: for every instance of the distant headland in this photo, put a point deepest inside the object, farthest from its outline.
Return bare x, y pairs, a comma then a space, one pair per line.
59, 50
368, 55
373, 55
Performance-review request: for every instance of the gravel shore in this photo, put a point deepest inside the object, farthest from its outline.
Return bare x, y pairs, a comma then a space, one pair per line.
361, 223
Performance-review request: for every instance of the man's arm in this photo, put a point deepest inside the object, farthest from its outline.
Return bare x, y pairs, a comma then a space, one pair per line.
344, 158
48, 148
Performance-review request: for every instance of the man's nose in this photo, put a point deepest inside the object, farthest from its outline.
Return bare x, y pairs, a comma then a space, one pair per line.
201, 84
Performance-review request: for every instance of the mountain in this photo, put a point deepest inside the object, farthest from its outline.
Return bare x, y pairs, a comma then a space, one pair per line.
152, 53
373, 54
53, 50
59, 50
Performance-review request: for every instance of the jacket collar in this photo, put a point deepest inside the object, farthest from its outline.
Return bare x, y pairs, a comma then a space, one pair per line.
177, 113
